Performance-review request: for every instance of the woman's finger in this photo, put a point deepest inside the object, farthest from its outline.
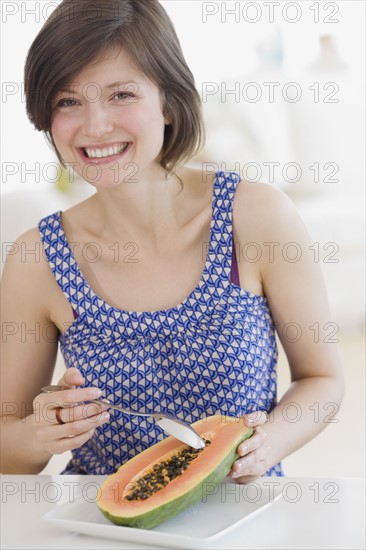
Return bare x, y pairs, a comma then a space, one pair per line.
79, 412
73, 443
45, 405
68, 444
55, 432
71, 378
252, 472
258, 438
73, 429
256, 418
67, 397
244, 466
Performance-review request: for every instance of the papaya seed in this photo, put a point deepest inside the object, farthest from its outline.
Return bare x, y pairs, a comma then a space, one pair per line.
163, 473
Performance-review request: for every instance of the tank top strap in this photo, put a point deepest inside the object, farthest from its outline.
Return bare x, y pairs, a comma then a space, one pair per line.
222, 226
216, 275
63, 264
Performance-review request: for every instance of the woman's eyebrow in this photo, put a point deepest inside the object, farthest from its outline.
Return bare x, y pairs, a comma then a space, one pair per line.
123, 83
71, 87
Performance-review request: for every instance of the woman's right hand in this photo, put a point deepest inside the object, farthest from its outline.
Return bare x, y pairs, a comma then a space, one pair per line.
80, 419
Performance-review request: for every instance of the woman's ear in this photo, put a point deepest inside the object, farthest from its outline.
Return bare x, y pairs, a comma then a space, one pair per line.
167, 119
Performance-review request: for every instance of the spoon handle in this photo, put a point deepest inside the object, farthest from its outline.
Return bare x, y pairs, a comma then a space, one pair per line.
55, 388
117, 408
170, 424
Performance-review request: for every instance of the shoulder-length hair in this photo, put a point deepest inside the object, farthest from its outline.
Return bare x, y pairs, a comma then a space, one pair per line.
80, 31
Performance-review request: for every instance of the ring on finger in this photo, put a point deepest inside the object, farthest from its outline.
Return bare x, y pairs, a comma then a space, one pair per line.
58, 415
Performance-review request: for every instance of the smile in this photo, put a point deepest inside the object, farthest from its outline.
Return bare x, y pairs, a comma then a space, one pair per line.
106, 151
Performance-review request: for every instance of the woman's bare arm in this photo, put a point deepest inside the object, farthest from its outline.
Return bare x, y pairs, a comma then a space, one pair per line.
28, 353
30, 433
293, 284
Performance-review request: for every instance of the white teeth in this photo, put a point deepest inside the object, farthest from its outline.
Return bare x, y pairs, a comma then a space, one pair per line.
107, 151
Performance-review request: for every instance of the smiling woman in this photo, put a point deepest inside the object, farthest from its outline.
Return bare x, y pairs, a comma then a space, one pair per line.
164, 326
133, 122
89, 33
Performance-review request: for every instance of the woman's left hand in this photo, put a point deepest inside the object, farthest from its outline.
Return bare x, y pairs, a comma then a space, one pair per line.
253, 452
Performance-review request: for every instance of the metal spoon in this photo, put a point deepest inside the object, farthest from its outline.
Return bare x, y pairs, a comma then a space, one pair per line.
171, 424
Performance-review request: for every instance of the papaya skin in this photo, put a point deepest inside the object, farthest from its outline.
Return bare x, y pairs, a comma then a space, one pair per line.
177, 498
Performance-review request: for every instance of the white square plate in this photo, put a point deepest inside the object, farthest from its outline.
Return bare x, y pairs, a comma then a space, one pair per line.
220, 511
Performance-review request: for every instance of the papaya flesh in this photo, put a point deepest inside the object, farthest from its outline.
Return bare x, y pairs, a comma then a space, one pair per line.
169, 477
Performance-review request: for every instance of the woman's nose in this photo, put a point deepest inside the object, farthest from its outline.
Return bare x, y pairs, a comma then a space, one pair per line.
96, 121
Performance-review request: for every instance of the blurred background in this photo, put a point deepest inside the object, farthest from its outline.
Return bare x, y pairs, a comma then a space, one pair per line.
283, 99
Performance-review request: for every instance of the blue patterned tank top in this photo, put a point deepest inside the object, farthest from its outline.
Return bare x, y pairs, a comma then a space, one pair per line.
215, 352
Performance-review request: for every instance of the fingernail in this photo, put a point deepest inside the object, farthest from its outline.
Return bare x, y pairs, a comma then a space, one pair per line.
243, 449
96, 392
105, 416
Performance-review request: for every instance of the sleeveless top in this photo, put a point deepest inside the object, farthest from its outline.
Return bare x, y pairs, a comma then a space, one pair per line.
214, 353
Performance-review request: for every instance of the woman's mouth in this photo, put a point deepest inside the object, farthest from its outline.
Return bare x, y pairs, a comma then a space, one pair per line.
105, 153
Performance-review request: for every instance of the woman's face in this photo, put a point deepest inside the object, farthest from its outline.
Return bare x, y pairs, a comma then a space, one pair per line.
108, 123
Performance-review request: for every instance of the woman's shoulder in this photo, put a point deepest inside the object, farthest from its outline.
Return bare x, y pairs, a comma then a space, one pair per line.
26, 259
26, 270
259, 196
262, 209
27, 249
259, 208
262, 196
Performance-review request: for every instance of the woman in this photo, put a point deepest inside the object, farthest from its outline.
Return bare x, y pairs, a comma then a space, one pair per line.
155, 319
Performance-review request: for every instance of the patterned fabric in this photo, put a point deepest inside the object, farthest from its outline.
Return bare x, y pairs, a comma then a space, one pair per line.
213, 353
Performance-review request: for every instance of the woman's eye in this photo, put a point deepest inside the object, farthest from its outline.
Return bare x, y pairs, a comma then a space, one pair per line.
66, 103
124, 96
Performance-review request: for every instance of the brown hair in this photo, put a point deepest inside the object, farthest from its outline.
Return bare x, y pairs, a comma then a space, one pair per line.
80, 31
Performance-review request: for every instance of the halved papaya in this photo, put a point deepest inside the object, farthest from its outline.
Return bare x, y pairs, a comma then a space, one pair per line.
167, 478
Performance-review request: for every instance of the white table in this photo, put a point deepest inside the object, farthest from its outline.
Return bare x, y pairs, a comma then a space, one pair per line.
314, 513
